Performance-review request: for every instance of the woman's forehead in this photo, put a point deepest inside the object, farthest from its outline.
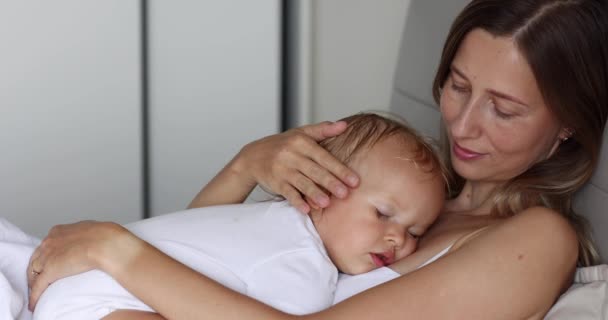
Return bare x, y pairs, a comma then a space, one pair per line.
495, 64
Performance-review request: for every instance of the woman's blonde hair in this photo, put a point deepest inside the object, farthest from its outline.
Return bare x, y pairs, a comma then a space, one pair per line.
565, 42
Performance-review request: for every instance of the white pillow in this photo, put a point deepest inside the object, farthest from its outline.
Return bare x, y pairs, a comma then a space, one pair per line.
587, 299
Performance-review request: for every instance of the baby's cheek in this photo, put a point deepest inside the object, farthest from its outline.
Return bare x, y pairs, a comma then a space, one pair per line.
409, 248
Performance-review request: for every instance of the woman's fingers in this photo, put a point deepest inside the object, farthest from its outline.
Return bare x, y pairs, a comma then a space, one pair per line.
323, 130
331, 173
310, 189
40, 282
64, 252
325, 159
295, 198
322, 168
38, 273
293, 165
31, 272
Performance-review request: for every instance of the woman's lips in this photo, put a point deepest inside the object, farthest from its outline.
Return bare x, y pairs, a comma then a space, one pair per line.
464, 154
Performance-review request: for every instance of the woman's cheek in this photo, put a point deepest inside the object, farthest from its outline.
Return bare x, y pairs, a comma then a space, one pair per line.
448, 109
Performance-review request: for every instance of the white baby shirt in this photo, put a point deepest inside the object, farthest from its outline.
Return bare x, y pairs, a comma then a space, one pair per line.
268, 251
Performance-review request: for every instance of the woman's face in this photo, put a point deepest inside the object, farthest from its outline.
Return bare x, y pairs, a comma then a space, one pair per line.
497, 122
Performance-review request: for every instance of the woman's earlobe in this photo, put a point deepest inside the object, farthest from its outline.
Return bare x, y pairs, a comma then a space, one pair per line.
566, 134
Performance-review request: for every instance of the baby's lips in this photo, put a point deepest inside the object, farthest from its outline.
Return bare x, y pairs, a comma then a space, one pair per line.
384, 258
389, 256
378, 259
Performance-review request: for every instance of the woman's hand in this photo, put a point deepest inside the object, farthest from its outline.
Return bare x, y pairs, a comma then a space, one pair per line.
293, 165
75, 248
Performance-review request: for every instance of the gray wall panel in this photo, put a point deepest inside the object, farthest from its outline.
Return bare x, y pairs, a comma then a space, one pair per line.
426, 119
426, 28
214, 86
592, 202
70, 112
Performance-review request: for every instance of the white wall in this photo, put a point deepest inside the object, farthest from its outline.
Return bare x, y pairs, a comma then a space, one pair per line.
355, 44
214, 86
69, 112
70, 102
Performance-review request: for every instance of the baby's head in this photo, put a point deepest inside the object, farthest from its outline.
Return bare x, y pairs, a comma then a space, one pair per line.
401, 193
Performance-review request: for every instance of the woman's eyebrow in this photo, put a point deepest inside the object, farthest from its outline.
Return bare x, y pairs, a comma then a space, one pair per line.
507, 97
493, 92
458, 72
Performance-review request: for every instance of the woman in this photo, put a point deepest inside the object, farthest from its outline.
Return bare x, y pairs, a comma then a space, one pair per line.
520, 140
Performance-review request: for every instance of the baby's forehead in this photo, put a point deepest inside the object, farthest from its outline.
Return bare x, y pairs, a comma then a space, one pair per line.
400, 145
407, 149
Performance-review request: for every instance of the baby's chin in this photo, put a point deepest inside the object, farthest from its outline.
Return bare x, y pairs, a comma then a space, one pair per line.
355, 270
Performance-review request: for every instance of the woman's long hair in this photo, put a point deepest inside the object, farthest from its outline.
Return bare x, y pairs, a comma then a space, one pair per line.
565, 42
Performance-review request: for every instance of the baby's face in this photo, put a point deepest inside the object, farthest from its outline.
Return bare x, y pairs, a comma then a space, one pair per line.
381, 220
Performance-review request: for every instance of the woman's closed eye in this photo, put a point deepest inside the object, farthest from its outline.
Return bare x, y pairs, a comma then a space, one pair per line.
501, 113
461, 89
458, 86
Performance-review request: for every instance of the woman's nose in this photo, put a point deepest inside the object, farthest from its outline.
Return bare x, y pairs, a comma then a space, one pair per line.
465, 124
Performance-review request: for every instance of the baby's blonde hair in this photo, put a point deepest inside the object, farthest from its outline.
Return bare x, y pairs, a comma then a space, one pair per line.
364, 130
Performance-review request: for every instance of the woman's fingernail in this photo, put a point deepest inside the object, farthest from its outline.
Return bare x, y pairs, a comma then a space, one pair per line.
340, 191
352, 180
322, 201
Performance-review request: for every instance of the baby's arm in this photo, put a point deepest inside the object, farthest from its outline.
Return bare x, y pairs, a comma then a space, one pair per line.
133, 315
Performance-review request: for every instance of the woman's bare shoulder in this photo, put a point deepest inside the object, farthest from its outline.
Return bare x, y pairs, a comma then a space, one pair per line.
538, 248
533, 223
538, 238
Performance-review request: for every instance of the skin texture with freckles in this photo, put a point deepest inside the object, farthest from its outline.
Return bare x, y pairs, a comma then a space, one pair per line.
380, 221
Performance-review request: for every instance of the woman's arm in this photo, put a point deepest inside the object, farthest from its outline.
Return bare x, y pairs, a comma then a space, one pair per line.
291, 164
513, 270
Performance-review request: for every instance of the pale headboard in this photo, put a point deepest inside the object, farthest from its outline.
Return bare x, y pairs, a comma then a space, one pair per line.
425, 30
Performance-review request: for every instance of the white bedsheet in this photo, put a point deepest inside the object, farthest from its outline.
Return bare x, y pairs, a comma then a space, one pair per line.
16, 248
587, 299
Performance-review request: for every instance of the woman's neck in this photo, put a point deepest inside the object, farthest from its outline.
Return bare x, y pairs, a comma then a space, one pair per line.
474, 199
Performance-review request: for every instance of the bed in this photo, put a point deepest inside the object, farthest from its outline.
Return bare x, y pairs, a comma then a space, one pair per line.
426, 28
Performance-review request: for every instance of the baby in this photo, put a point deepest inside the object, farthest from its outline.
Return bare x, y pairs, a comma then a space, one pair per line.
275, 254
